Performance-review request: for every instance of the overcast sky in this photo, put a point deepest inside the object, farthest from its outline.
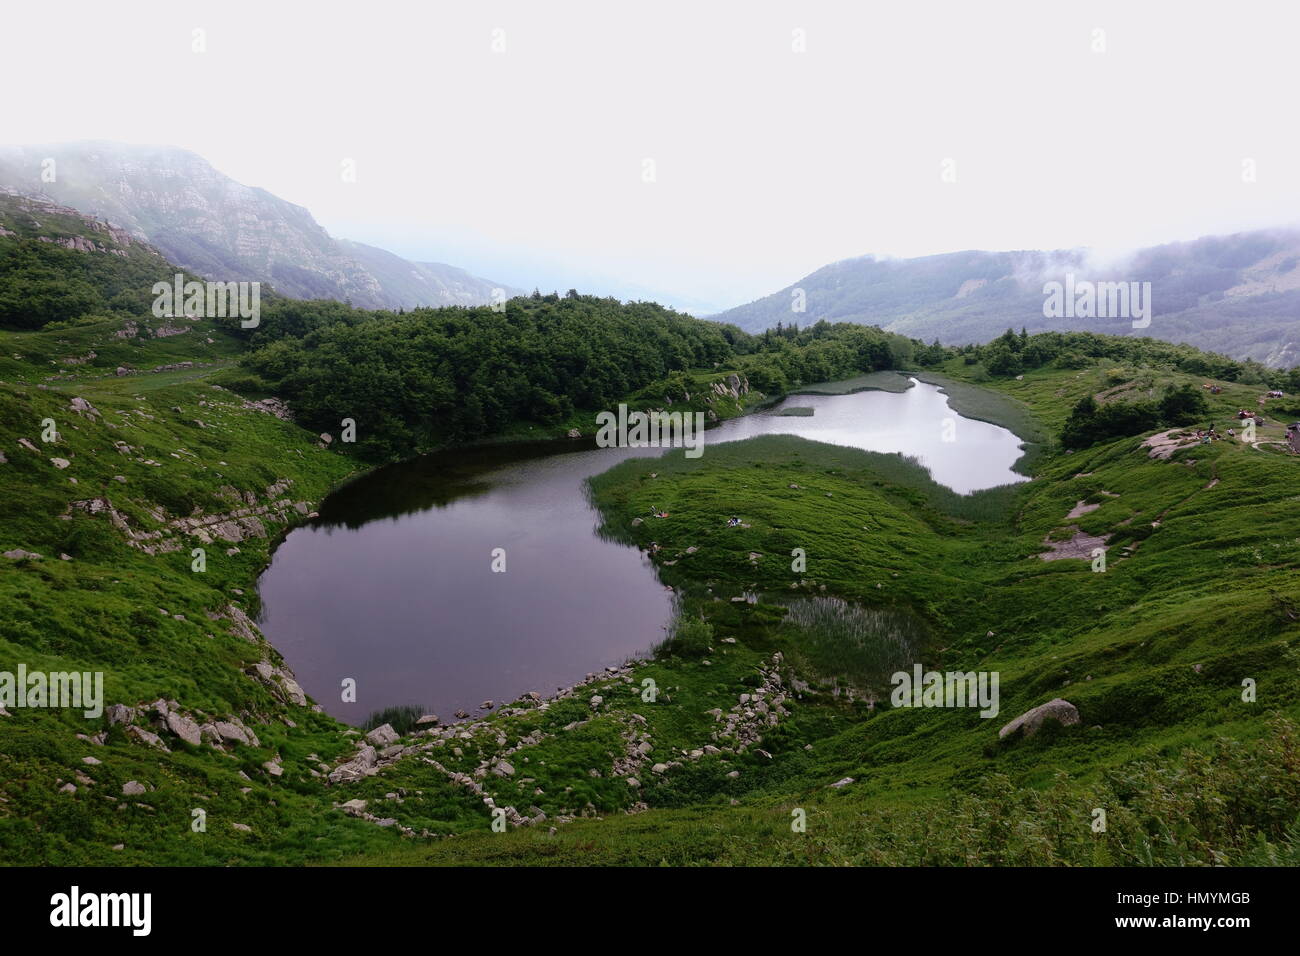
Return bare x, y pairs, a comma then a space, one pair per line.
529, 165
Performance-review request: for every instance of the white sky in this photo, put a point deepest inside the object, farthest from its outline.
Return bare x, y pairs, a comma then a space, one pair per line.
526, 166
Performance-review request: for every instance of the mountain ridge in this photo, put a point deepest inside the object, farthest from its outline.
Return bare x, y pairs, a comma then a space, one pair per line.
1237, 294
208, 223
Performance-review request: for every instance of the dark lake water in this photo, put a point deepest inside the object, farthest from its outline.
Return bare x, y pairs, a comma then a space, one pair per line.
392, 586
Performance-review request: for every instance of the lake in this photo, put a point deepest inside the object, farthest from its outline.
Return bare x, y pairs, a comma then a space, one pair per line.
392, 586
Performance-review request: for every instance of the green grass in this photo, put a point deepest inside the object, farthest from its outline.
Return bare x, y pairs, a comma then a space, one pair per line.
1153, 651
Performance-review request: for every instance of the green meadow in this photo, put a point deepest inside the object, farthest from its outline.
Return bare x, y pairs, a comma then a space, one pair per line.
762, 730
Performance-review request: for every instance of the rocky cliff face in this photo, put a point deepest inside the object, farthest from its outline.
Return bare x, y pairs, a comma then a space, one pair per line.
210, 224
31, 217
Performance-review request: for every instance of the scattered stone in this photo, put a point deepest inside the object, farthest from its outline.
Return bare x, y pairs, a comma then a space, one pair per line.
232, 733
184, 728
382, 735
356, 768
1059, 710
133, 788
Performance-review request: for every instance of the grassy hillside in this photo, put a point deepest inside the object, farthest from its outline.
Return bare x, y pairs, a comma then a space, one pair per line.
109, 482
1199, 594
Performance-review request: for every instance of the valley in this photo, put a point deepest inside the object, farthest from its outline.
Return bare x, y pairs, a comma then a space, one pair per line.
301, 645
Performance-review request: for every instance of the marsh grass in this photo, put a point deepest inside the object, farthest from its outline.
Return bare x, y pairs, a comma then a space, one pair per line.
863, 646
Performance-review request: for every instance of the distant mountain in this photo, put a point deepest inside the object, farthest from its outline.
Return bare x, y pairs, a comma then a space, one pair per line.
1238, 294
210, 224
423, 283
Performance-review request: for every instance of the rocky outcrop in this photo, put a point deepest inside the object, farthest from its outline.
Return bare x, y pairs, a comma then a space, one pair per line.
1030, 721
231, 527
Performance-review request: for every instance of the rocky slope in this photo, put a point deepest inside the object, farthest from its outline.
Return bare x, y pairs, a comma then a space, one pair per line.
206, 222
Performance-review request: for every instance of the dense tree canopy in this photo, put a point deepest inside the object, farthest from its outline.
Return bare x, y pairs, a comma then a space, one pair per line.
437, 376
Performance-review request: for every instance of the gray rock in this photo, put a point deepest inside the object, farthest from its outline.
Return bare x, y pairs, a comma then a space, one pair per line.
145, 737
1059, 710
382, 736
133, 788
232, 733
356, 768
119, 714
184, 728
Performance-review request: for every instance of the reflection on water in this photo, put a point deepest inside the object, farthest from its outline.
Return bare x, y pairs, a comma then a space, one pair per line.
393, 585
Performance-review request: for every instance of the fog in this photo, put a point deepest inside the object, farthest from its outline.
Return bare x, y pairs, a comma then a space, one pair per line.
700, 154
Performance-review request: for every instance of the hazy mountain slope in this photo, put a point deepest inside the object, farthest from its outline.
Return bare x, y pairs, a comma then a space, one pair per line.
423, 283
208, 223
1237, 294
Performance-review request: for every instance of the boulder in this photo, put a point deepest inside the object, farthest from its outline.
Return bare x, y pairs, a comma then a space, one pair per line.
356, 768
145, 737
1059, 710
232, 733
382, 735
184, 728
133, 788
